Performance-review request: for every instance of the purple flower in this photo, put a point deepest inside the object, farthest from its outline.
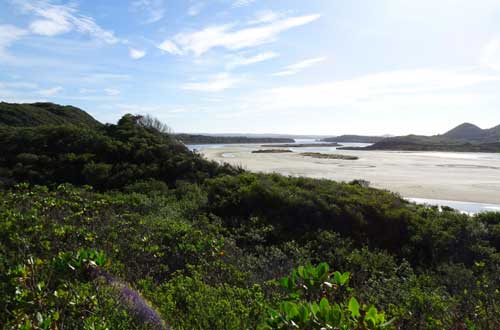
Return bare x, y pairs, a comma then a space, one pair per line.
138, 306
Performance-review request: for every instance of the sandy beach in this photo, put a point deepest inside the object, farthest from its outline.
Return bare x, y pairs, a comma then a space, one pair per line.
467, 177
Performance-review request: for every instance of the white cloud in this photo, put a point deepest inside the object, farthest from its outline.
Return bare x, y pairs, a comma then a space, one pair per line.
136, 53
59, 19
50, 28
216, 84
237, 61
112, 92
490, 55
8, 35
225, 36
380, 88
51, 91
169, 47
195, 9
297, 67
154, 10
242, 3
266, 16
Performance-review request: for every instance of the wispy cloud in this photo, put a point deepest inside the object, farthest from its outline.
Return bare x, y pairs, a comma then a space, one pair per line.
18, 85
490, 55
226, 36
404, 86
154, 10
51, 91
216, 84
104, 77
169, 47
195, 9
136, 54
58, 19
297, 67
265, 16
8, 35
87, 91
242, 3
237, 61
112, 91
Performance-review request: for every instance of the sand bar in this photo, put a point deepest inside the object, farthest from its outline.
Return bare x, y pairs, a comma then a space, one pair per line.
468, 177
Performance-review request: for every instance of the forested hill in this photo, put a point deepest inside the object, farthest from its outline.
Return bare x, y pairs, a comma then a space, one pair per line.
38, 114
122, 227
463, 138
105, 157
354, 139
212, 139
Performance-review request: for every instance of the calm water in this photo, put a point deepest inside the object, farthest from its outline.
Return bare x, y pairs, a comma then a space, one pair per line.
200, 147
465, 207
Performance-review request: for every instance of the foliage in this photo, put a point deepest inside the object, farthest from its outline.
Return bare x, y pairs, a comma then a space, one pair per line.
166, 239
38, 114
210, 139
318, 300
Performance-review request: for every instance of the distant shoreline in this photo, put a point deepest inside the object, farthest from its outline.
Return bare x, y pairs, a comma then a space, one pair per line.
428, 175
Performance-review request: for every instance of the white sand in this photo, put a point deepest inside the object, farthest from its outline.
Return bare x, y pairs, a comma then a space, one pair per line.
467, 177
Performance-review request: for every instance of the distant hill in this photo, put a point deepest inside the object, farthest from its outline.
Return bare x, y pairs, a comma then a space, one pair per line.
463, 138
41, 114
355, 139
466, 131
211, 139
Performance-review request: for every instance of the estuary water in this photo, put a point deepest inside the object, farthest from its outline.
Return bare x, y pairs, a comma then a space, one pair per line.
468, 182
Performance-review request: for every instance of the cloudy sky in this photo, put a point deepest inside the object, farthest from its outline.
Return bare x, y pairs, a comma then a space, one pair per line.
260, 66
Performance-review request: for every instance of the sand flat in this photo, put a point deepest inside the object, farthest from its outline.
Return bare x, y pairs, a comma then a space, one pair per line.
468, 177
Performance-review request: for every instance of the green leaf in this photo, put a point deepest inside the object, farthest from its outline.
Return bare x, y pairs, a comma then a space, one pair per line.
324, 306
284, 282
336, 314
300, 271
354, 307
322, 271
337, 278
345, 278
314, 308
303, 314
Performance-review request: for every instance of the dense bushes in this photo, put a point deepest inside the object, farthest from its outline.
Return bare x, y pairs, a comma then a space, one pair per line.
168, 239
198, 272
109, 157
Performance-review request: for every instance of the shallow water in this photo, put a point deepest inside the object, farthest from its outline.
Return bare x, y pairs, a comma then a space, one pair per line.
437, 178
466, 207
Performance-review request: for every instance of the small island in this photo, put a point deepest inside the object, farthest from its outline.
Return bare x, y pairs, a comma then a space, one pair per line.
271, 151
328, 156
302, 145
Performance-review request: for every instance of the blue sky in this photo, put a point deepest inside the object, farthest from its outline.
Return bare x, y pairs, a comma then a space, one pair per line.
260, 66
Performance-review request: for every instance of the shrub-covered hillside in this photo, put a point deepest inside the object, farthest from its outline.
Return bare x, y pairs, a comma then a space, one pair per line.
122, 227
107, 157
37, 114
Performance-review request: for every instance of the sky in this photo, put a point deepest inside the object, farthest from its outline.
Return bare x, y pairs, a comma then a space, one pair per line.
326, 67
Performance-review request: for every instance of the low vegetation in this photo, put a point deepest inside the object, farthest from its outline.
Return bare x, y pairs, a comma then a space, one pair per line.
271, 151
302, 145
328, 156
122, 227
